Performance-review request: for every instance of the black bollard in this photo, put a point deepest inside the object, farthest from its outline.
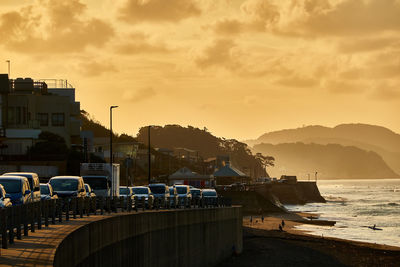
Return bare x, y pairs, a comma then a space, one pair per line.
3, 225
18, 221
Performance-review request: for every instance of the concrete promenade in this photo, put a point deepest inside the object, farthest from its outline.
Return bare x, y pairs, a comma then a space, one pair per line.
150, 238
38, 249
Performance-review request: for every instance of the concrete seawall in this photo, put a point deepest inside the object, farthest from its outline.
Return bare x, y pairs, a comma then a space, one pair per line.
196, 237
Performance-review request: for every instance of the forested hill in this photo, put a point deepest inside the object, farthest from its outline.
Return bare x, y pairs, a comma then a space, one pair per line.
99, 130
331, 161
208, 145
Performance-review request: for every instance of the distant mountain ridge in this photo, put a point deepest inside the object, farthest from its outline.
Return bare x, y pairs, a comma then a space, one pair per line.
331, 161
380, 140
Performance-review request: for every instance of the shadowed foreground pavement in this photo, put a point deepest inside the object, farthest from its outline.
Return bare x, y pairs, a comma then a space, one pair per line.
272, 248
38, 248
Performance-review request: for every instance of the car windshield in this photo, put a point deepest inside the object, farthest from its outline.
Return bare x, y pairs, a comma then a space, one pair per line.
181, 190
195, 192
30, 179
140, 191
96, 183
11, 186
124, 191
44, 190
157, 189
64, 184
209, 193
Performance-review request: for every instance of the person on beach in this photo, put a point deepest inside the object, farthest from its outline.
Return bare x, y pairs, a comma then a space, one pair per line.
374, 227
251, 219
280, 228
283, 223
262, 218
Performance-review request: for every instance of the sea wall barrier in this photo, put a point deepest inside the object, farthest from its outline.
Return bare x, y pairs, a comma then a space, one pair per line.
186, 237
137, 232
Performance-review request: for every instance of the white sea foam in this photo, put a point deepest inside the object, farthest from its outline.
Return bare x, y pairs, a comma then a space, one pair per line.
355, 205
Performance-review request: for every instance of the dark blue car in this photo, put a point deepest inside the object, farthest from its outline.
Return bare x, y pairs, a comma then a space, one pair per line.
17, 189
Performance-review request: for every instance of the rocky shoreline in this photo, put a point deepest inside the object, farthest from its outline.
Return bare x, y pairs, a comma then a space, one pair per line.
272, 197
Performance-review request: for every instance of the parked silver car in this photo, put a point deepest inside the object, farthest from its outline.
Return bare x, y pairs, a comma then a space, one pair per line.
127, 192
68, 186
143, 191
89, 191
173, 196
46, 192
160, 191
4, 201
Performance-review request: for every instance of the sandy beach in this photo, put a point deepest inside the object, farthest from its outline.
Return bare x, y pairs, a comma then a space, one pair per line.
265, 245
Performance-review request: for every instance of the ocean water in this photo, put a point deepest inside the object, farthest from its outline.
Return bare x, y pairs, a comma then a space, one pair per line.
355, 205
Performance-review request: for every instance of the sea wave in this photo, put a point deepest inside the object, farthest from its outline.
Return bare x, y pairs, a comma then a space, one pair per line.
335, 199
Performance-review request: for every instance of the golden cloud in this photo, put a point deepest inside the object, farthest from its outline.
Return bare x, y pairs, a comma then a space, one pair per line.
139, 43
139, 95
61, 28
94, 68
135, 11
222, 52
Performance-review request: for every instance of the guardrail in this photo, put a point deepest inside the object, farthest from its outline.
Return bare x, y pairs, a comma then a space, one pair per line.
31, 216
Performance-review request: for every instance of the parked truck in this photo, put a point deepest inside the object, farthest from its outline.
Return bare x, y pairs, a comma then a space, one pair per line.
103, 179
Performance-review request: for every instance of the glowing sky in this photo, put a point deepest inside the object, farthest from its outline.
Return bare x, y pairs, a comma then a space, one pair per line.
238, 67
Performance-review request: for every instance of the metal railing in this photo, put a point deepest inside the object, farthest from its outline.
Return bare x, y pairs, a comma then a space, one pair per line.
17, 221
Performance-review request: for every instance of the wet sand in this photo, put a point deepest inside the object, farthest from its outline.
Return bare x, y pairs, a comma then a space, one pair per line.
265, 245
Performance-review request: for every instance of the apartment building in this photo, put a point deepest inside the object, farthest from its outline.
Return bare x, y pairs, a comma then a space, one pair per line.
29, 107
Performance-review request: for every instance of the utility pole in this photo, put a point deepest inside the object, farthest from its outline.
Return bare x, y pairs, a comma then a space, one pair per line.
9, 68
111, 150
149, 152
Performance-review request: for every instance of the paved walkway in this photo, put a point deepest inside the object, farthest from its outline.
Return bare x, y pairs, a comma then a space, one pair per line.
38, 248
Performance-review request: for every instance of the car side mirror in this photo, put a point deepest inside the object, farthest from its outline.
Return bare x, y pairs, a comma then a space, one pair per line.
27, 192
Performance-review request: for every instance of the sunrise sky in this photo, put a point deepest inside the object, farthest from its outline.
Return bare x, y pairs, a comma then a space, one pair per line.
238, 67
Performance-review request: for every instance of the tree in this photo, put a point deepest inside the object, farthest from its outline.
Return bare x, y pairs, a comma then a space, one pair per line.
49, 144
265, 161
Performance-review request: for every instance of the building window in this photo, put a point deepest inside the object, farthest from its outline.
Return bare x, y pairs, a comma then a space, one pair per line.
57, 119
43, 119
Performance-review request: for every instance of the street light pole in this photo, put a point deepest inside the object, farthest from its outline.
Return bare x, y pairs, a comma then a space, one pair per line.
9, 68
149, 152
111, 150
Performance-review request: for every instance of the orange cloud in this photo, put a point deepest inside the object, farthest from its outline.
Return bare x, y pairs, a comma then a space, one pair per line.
220, 53
139, 95
135, 11
139, 43
61, 27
